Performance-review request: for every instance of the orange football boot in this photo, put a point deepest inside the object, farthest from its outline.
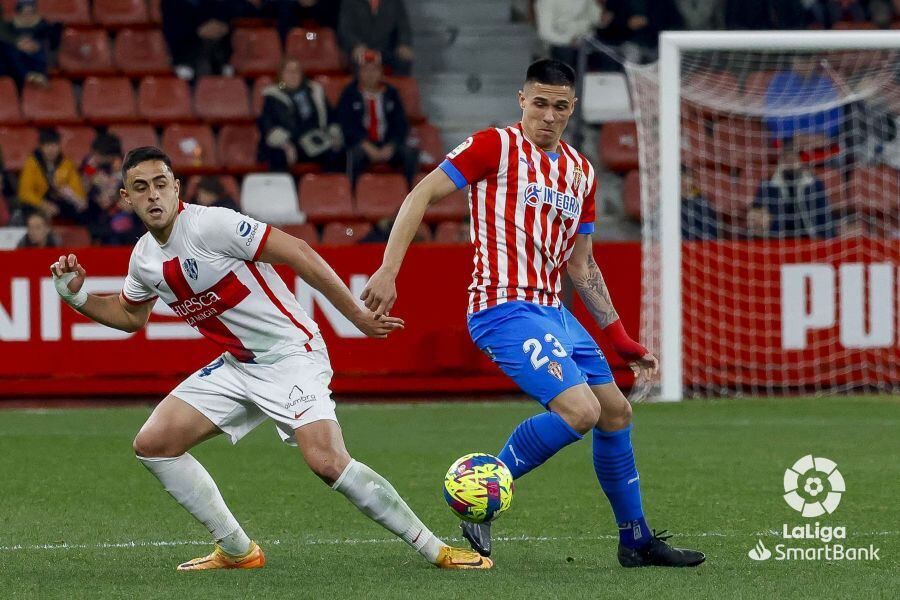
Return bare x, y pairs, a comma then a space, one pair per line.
458, 558
218, 559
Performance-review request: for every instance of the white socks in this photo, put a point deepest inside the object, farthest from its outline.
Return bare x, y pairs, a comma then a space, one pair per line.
377, 499
191, 485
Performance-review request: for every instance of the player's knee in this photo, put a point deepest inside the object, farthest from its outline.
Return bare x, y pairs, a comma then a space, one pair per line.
149, 444
328, 465
615, 417
582, 417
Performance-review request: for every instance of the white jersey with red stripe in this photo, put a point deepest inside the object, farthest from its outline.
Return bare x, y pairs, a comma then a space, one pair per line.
208, 273
527, 207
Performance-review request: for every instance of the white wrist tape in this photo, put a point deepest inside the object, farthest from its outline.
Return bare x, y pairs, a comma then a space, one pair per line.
74, 299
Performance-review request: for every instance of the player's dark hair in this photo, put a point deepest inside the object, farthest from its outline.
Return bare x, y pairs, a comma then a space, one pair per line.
138, 155
550, 72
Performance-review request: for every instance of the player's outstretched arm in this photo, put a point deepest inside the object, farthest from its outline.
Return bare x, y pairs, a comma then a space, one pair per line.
381, 292
588, 280
112, 311
284, 249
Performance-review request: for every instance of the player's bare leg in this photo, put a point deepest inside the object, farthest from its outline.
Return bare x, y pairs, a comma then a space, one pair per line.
322, 446
618, 476
162, 446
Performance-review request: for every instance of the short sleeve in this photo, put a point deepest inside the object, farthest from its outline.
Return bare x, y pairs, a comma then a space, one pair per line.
135, 291
589, 211
474, 159
227, 232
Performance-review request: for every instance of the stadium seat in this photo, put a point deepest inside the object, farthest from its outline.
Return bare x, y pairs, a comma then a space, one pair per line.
345, 234
757, 82
73, 236
631, 195
4, 211
696, 142
76, 142
10, 114
256, 97
876, 190
271, 197
427, 138
306, 232
7, 9
191, 147
121, 13
410, 96
315, 49
164, 99
854, 25
334, 86
52, 104
67, 12
837, 190
256, 52
17, 143
154, 11
238, 145
379, 196
326, 197
108, 100
721, 85
618, 146
451, 232
221, 99
141, 52
739, 141
730, 196
229, 184
134, 136
85, 52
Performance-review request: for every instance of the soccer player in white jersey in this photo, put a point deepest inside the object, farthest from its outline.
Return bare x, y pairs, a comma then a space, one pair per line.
213, 267
532, 204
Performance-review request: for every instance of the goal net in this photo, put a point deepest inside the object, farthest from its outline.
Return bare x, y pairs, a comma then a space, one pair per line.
770, 199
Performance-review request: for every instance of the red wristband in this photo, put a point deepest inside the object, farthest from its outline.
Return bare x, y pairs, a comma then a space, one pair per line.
626, 347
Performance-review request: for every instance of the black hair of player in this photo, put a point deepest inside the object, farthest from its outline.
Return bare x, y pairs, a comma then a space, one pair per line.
550, 72
142, 154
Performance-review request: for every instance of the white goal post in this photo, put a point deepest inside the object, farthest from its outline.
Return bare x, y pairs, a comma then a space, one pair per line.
673, 48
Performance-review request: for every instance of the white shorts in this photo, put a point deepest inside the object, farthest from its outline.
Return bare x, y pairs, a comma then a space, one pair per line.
293, 391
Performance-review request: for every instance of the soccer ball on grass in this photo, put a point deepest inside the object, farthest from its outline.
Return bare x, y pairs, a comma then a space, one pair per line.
478, 487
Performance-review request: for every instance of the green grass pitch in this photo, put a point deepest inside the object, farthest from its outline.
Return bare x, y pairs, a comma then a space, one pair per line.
80, 518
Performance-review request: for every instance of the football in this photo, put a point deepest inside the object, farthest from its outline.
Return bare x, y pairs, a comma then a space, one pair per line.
478, 487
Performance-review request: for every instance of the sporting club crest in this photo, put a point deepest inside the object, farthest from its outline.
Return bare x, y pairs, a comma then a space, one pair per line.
555, 369
577, 177
190, 267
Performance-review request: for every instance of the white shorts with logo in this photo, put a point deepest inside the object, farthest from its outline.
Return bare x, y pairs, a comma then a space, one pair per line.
292, 391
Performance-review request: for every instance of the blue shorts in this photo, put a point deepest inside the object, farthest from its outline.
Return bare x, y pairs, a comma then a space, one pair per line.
545, 350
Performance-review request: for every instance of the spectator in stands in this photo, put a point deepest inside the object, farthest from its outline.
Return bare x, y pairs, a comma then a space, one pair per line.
765, 14
297, 125
829, 12
50, 182
562, 24
699, 220
379, 25
374, 122
198, 34
210, 192
25, 42
793, 203
298, 13
634, 25
38, 233
109, 221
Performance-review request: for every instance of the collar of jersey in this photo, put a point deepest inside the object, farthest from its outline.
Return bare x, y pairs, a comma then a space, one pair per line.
551, 155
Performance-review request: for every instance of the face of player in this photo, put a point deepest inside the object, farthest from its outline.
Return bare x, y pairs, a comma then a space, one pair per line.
152, 191
545, 112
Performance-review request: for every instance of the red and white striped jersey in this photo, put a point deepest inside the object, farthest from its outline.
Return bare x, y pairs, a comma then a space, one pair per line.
527, 207
208, 275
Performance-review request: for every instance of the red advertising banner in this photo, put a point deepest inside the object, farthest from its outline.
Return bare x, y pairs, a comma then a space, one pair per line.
47, 349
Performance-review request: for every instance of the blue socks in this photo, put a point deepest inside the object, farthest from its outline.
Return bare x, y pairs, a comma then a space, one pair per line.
535, 440
618, 476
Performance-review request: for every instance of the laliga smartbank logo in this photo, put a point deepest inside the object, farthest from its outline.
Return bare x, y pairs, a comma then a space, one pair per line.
813, 486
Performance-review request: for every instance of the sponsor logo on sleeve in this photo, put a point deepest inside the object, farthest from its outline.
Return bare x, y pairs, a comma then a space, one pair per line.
244, 228
459, 149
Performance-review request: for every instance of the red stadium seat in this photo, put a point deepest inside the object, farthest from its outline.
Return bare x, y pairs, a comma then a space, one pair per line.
238, 145
4, 211
631, 195
837, 190
85, 52
153, 8
67, 12
135, 136
738, 142
854, 25
256, 52
344, 234
427, 138
121, 13
164, 99
108, 100
141, 52
451, 232
306, 232
379, 196
53, 104
229, 184
618, 146
876, 190
334, 86
7, 9
326, 197
256, 97
220, 99
717, 84
76, 142
757, 82
17, 143
730, 196
73, 236
10, 114
315, 49
191, 147
409, 96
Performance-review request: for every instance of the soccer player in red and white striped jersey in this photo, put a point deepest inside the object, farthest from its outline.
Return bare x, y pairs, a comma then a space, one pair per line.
532, 204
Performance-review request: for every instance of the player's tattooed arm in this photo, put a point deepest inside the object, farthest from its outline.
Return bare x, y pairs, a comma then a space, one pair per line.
593, 291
